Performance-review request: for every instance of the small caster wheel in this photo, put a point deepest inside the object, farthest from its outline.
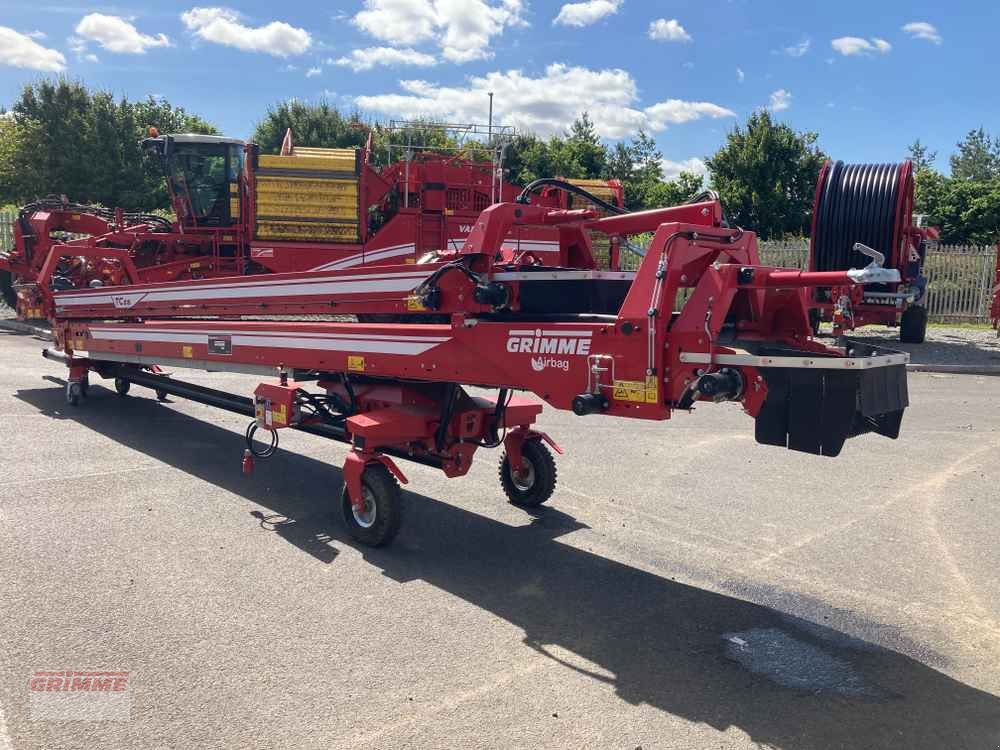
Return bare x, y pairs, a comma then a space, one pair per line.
378, 522
85, 386
913, 325
122, 385
74, 393
161, 395
537, 479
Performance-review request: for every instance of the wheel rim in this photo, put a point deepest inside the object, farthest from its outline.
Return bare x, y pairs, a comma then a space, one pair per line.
365, 517
526, 479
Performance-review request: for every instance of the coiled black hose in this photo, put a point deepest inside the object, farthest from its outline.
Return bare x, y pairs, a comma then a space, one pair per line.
856, 203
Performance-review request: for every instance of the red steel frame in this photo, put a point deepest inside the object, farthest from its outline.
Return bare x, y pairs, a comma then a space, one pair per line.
643, 362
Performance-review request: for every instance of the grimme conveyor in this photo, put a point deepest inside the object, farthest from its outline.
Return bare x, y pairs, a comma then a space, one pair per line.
700, 320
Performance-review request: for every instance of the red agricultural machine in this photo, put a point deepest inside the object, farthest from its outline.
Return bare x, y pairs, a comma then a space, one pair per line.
869, 205
482, 314
241, 212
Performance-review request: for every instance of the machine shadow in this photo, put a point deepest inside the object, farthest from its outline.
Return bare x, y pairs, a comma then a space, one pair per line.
656, 641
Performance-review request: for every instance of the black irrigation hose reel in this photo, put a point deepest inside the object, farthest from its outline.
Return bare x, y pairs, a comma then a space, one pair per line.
870, 204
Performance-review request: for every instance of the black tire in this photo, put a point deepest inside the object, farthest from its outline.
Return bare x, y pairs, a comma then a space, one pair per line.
384, 504
7, 289
85, 386
161, 395
122, 385
74, 393
540, 483
913, 325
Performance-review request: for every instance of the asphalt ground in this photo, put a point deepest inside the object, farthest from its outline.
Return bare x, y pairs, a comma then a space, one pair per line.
685, 588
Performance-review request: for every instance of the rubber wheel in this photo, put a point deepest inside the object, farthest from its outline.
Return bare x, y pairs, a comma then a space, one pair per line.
122, 385
74, 394
379, 523
85, 386
161, 395
7, 289
539, 481
913, 325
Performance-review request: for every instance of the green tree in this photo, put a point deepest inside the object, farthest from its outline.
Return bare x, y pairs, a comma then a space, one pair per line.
83, 144
317, 125
676, 192
966, 211
587, 152
10, 135
645, 174
978, 157
766, 175
921, 156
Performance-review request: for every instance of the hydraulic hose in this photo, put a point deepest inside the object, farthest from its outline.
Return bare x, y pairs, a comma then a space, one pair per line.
568, 187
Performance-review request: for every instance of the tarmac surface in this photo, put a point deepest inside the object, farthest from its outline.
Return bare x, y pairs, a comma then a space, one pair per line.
685, 587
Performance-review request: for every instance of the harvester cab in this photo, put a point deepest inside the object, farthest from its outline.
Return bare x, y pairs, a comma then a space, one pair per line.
202, 173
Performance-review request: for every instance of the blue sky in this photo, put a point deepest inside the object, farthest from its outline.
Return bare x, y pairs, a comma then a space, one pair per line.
869, 77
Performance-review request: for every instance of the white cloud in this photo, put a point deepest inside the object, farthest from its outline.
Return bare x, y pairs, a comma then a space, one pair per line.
37, 34
780, 100
368, 58
672, 169
740, 75
797, 50
21, 51
855, 45
313, 72
923, 30
586, 13
462, 28
115, 34
544, 105
668, 31
678, 111
223, 26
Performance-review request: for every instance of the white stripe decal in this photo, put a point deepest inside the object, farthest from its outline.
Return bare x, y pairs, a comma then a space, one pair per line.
398, 283
277, 342
354, 260
121, 332
110, 291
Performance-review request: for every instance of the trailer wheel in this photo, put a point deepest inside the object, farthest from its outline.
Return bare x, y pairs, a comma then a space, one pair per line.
122, 385
380, 520
74, 393
7, 289
85, 386
538, 481
913, 325
161, 395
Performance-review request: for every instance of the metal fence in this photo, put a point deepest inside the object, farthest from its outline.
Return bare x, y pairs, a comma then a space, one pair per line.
960, 277
7, 230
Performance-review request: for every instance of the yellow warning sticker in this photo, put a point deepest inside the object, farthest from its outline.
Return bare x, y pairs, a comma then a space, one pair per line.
187, 352
78, 344
637, 390
413, 303
356, 364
